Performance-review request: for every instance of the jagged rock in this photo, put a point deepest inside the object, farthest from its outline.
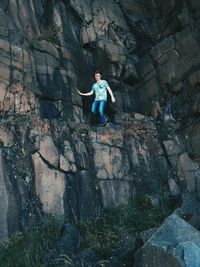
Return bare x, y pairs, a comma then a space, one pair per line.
68, 153
50, 186
24, 100
193, 137
8, 104
82, 154
66, 166
6, 135
176, 243
49, 151
112, 136
153, 199
116, 192
173, 150
147, 234
110, 162
189, 210
188, 172
174, 188
138, 116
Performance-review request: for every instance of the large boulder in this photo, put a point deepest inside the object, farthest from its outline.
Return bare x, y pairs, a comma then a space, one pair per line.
189, 210
175, 244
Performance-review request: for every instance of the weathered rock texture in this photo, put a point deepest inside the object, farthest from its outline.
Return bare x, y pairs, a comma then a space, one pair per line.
179, 248
51, 160
73, 169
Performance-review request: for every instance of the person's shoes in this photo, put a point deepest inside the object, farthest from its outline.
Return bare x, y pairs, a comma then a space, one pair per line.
105, 122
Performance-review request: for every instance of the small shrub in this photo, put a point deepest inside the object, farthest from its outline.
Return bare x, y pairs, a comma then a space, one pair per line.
47, 34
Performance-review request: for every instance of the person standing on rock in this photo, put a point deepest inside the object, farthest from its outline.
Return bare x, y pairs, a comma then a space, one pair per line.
100, 89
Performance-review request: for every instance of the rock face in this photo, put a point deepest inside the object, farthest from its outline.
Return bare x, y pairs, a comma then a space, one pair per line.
52, 160
46, 180
4, 202
73, 168
9, 219
169, 64
179, 248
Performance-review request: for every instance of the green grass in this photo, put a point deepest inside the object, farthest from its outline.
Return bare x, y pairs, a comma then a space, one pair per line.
29, 248
113, 224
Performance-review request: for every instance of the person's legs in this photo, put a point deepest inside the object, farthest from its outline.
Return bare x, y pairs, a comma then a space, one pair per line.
94, 106
101, 111
94, 110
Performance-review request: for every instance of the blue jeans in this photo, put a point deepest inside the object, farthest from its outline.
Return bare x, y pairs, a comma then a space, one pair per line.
101, 105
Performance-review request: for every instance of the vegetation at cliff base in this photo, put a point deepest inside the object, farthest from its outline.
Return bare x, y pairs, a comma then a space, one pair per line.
29, 248
114, 224
101, 234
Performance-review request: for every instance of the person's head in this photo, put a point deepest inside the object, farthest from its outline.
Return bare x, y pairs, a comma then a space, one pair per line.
97, 75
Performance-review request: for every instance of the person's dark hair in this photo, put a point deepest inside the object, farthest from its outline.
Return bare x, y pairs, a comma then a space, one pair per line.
98, 72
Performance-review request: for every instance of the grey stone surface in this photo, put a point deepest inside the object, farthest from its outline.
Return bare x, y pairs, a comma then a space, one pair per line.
4, 199
70, 240
50, 186
175, 243
174, 188
147, 234
189, 210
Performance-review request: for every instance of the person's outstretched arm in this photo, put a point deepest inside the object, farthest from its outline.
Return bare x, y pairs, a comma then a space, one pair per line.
111, 94
86, 94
